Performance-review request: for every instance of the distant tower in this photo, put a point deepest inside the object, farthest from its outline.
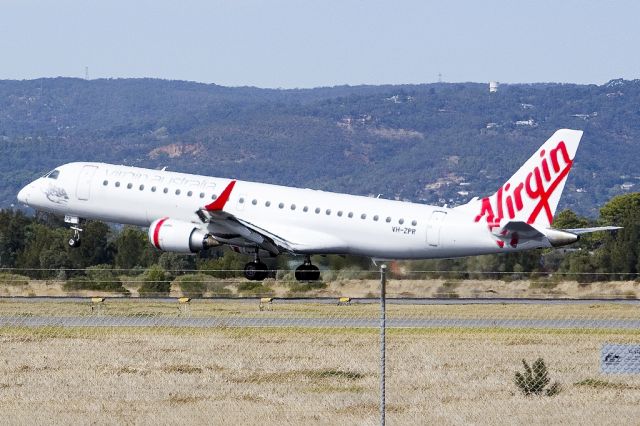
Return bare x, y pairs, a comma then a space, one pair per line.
86, 73
493, 86
439, 77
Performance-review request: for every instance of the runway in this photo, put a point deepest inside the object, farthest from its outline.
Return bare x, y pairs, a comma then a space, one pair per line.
313, 322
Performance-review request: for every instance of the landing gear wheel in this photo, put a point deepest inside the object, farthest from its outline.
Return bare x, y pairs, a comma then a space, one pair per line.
307, 272
74, 241
255, 271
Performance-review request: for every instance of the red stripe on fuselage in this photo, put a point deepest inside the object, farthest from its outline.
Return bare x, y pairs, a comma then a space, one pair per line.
156, 232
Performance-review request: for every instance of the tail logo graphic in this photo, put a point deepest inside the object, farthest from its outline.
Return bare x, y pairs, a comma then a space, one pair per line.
530, 196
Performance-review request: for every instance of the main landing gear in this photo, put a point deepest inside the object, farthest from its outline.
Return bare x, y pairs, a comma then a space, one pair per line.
256, 270
307, 271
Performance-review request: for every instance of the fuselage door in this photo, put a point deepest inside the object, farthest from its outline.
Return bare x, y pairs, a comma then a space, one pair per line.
433, 228
83, 189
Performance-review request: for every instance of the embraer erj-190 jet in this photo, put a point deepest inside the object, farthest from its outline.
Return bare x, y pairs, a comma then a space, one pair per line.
189, 213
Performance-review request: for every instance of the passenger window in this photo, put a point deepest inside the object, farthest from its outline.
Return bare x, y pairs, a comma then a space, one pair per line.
153, 189
388, 219
401, 221
141, 187
281, 205
189, 194
177, 192
305, 209
414, 223
375, 218
350, 214
214, 196
105, 183
254, 202
317, 210
267, 204
328, 212
340, 213
129, 185
241, 200
166, 190
363, 216
293, 206
202, 195
117, 184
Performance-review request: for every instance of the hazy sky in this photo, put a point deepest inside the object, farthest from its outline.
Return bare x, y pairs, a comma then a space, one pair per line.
299, 43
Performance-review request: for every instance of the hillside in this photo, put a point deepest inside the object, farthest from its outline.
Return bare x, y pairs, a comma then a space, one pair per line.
436, 143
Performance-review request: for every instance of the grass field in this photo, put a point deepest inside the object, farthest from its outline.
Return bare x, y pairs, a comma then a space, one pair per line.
15, 285
292, 375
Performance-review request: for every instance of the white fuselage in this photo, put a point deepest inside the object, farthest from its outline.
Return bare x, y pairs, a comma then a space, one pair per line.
317, 222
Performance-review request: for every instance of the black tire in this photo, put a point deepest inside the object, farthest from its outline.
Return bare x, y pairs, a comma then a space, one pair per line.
314, 273
74, 242
255, 271
307, 273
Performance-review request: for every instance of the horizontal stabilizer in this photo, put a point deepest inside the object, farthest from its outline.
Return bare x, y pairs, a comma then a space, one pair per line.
522, 229
579, 231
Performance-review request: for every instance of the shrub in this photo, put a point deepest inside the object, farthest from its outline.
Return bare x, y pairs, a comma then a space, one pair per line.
192, 285
249, 286
13, 279
303, 287
155, 282
98, 278
255, 288
535, 378
443, 292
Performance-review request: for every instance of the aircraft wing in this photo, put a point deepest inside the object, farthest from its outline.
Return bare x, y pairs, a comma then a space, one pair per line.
231, 229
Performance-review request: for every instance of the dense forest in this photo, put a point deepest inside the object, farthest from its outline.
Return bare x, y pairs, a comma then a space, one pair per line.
437, 143
35, 247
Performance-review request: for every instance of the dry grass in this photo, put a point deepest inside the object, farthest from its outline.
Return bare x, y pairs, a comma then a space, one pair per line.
369, 288
250, 308
318, 376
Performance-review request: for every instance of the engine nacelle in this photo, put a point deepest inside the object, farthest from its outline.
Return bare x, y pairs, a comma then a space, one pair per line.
179, 236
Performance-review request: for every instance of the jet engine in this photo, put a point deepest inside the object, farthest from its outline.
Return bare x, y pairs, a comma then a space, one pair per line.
179, 236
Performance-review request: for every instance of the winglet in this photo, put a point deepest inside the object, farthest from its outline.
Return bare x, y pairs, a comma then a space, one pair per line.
219, 203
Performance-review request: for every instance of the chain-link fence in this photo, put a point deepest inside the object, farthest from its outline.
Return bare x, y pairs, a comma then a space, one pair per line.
274, 360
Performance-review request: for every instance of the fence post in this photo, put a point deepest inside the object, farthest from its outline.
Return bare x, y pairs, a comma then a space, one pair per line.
383, 326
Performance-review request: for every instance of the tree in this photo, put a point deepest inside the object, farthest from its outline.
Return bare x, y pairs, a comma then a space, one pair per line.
12, 236
95, 248
176, 264
568, 219
618, 208
133, 249
623, 248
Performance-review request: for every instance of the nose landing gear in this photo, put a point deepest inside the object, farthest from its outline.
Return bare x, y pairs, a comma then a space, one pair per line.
74, 241
307, 271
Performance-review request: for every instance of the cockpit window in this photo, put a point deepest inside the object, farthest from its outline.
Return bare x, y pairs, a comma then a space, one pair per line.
53, 174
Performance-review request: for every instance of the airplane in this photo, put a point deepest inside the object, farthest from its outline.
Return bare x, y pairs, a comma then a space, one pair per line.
189, 213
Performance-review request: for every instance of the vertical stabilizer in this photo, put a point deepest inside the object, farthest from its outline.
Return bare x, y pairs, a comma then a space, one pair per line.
532, 194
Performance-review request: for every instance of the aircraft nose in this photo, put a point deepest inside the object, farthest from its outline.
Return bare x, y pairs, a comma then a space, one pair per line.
23, 195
